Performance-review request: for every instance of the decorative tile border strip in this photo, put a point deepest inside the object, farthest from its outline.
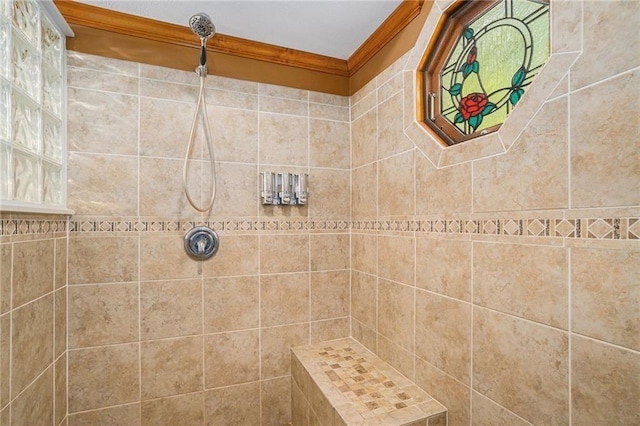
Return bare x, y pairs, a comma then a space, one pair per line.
583, 228
9, 227
243, 225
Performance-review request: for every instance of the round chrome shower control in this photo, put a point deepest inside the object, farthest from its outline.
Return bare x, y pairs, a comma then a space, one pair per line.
201, 243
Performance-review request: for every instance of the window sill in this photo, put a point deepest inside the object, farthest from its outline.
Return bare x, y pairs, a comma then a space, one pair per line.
23, 207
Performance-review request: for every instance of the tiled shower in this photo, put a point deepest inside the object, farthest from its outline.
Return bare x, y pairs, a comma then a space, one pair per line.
505, 286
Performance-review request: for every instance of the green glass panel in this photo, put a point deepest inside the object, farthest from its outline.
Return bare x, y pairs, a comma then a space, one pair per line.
540, 31
523, 8
496, 12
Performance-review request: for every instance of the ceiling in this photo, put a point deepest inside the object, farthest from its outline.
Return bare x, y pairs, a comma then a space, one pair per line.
334, 28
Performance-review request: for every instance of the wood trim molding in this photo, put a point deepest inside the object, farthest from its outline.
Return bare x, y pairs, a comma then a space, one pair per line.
114, 34
80, 14
400, 18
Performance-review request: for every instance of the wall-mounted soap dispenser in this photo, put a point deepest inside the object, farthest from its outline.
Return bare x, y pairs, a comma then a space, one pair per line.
284, 188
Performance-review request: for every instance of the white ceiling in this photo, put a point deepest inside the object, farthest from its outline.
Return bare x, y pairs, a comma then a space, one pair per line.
333, 28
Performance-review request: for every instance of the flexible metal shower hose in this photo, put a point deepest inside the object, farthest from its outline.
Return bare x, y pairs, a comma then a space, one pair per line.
201, 110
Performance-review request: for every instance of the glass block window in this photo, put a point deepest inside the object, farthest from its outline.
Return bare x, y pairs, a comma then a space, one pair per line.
32, 107
483, 61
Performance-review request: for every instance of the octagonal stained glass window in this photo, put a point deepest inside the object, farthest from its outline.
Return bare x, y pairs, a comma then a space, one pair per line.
484, 59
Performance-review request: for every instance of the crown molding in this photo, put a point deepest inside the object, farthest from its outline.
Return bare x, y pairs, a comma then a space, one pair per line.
396, 22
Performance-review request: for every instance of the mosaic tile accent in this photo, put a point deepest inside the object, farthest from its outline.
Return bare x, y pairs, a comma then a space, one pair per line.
9, 227
585, 228
596, 228
371, 392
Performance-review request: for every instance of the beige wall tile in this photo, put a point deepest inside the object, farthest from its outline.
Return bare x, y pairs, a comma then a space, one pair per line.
329, 295
284, 106
365, 335
60, 321
231, 303
329, 252
364, 192
102, 259
32, 342
284, 253
282, 92
33, 272
171, 367
566, 26
238, 404
397, 356
363, 106
396, 313
331, 329
396, 190
283, 140
600, 141
329, 112
115, 382
532, 375
36, 405
6, 253
443, 334
161, 192
169, 90
364, 139
284, 299
328, 99
607, 42
276, 344
604, 383
485, 411
90, 193
60, 262
229, 99
527, 281
170, 308
533, 174
231, 84
234, 133
330, 191
391, 138
60, 389
175, 410
163, 257
100, 63
231, 358
165, 127
364, 296
444, 190
364, 253
94, 118
235, 190
390, 88
113, 416
446, 390
103, 314
5, 359
237, 255
276, 401
605, 295
396, 259
444, 266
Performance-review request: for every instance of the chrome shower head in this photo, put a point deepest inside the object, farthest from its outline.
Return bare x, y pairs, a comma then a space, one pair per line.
202, 26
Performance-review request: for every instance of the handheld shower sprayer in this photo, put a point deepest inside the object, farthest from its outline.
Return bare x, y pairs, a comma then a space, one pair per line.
203, 27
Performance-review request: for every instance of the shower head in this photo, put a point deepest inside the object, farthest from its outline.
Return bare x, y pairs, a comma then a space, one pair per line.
202, 26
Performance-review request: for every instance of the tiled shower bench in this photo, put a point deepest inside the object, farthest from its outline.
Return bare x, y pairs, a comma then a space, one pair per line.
339, 382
